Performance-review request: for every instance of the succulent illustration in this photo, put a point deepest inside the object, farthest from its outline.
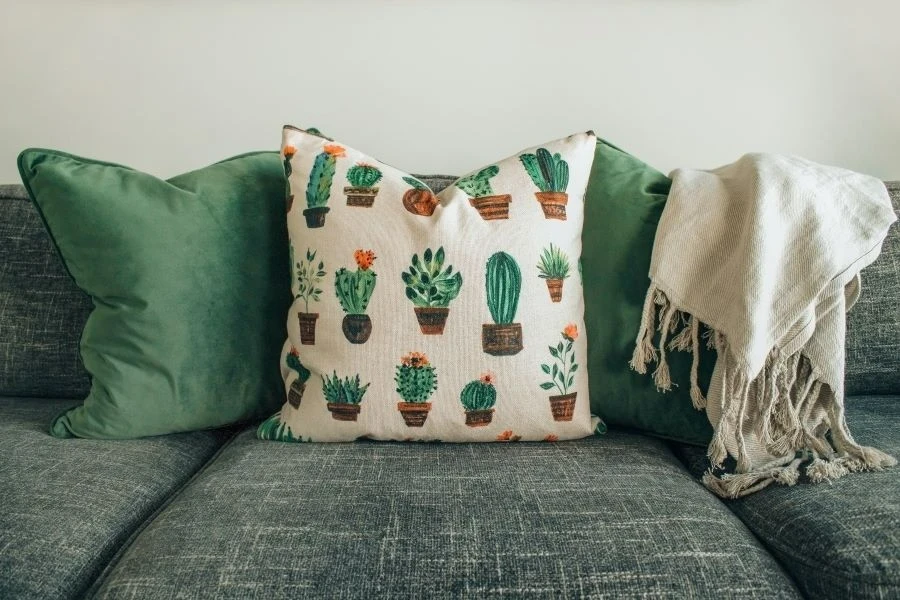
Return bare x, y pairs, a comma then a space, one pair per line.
549, 172
343, 391
554, 264
478, 185
416, 379
429, 286
354, 288
318, 190
363, 175
503, 286
479, 394
276, 430
292, 360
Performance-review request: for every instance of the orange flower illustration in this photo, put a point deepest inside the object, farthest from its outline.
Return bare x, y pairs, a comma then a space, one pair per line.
551, 438
289, 151
488, 378
364, 258
508, 436
414, 359
570, 332
294, 352
334, 150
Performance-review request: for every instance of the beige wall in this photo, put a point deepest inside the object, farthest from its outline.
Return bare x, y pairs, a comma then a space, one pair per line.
168, 86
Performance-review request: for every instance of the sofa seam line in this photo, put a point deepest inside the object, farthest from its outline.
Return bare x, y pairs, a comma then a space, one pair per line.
91, 591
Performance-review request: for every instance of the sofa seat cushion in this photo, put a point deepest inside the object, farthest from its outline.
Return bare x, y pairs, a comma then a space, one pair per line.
67, 505
614, 516
840, 540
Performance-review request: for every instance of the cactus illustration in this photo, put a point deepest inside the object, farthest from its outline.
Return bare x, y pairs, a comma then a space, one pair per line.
362, 178
354, 290
550, 173
298, 386
288, 153
416, 381
431, 289
318, 190
503, 284
478, 398
481, 196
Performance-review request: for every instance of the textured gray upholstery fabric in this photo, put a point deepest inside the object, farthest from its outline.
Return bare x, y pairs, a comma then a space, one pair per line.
840, 540
873, 325
614, 516
42, 311
67, 505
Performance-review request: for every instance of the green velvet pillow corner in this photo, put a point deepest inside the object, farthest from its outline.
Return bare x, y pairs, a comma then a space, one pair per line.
188, 279
623, 204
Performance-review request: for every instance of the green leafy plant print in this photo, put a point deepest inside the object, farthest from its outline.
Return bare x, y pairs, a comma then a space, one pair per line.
362, 178
318, 190
287, 153
478, 398
481, 195
309, 277
276, 430
431, 288
419, 199
354, 290
343, 396
554, 268
562, 374
416, 381
503, 284
550, 173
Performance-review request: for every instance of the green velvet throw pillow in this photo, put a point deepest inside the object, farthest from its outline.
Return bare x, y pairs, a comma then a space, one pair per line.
623, 204
188, 282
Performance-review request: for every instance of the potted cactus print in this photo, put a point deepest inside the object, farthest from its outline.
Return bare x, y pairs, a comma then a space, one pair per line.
354, 290
478, 398
550, 173
288, 153
362, 190
431, 289
309, 277
419, 200
503, 287
416, 381
562, 375
481, 195
298, 386
343, 396
554, 269
318, 190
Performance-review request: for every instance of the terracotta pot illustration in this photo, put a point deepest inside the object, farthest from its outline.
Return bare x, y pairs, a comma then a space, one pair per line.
357, 328
344, 411
360, 196
289, 202
431, 320
307, 327
414, 413
419, 202
295, 393
553, 204
492, 207
555, 287
479, 418
315, 217
563, 407
501, 340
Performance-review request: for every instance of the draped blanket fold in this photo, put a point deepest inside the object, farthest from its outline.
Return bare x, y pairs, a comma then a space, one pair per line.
760, 260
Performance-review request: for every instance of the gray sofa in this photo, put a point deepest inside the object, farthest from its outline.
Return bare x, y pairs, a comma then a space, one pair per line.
218, 514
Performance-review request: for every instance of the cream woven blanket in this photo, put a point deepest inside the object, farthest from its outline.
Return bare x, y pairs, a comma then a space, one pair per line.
762, 258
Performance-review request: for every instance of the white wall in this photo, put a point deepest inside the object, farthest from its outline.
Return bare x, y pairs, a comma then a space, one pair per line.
168, 86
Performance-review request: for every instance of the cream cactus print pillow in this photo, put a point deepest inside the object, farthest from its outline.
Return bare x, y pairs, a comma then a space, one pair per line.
455, 317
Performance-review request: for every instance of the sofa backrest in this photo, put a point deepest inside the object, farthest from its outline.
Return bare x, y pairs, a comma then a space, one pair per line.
42, 311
